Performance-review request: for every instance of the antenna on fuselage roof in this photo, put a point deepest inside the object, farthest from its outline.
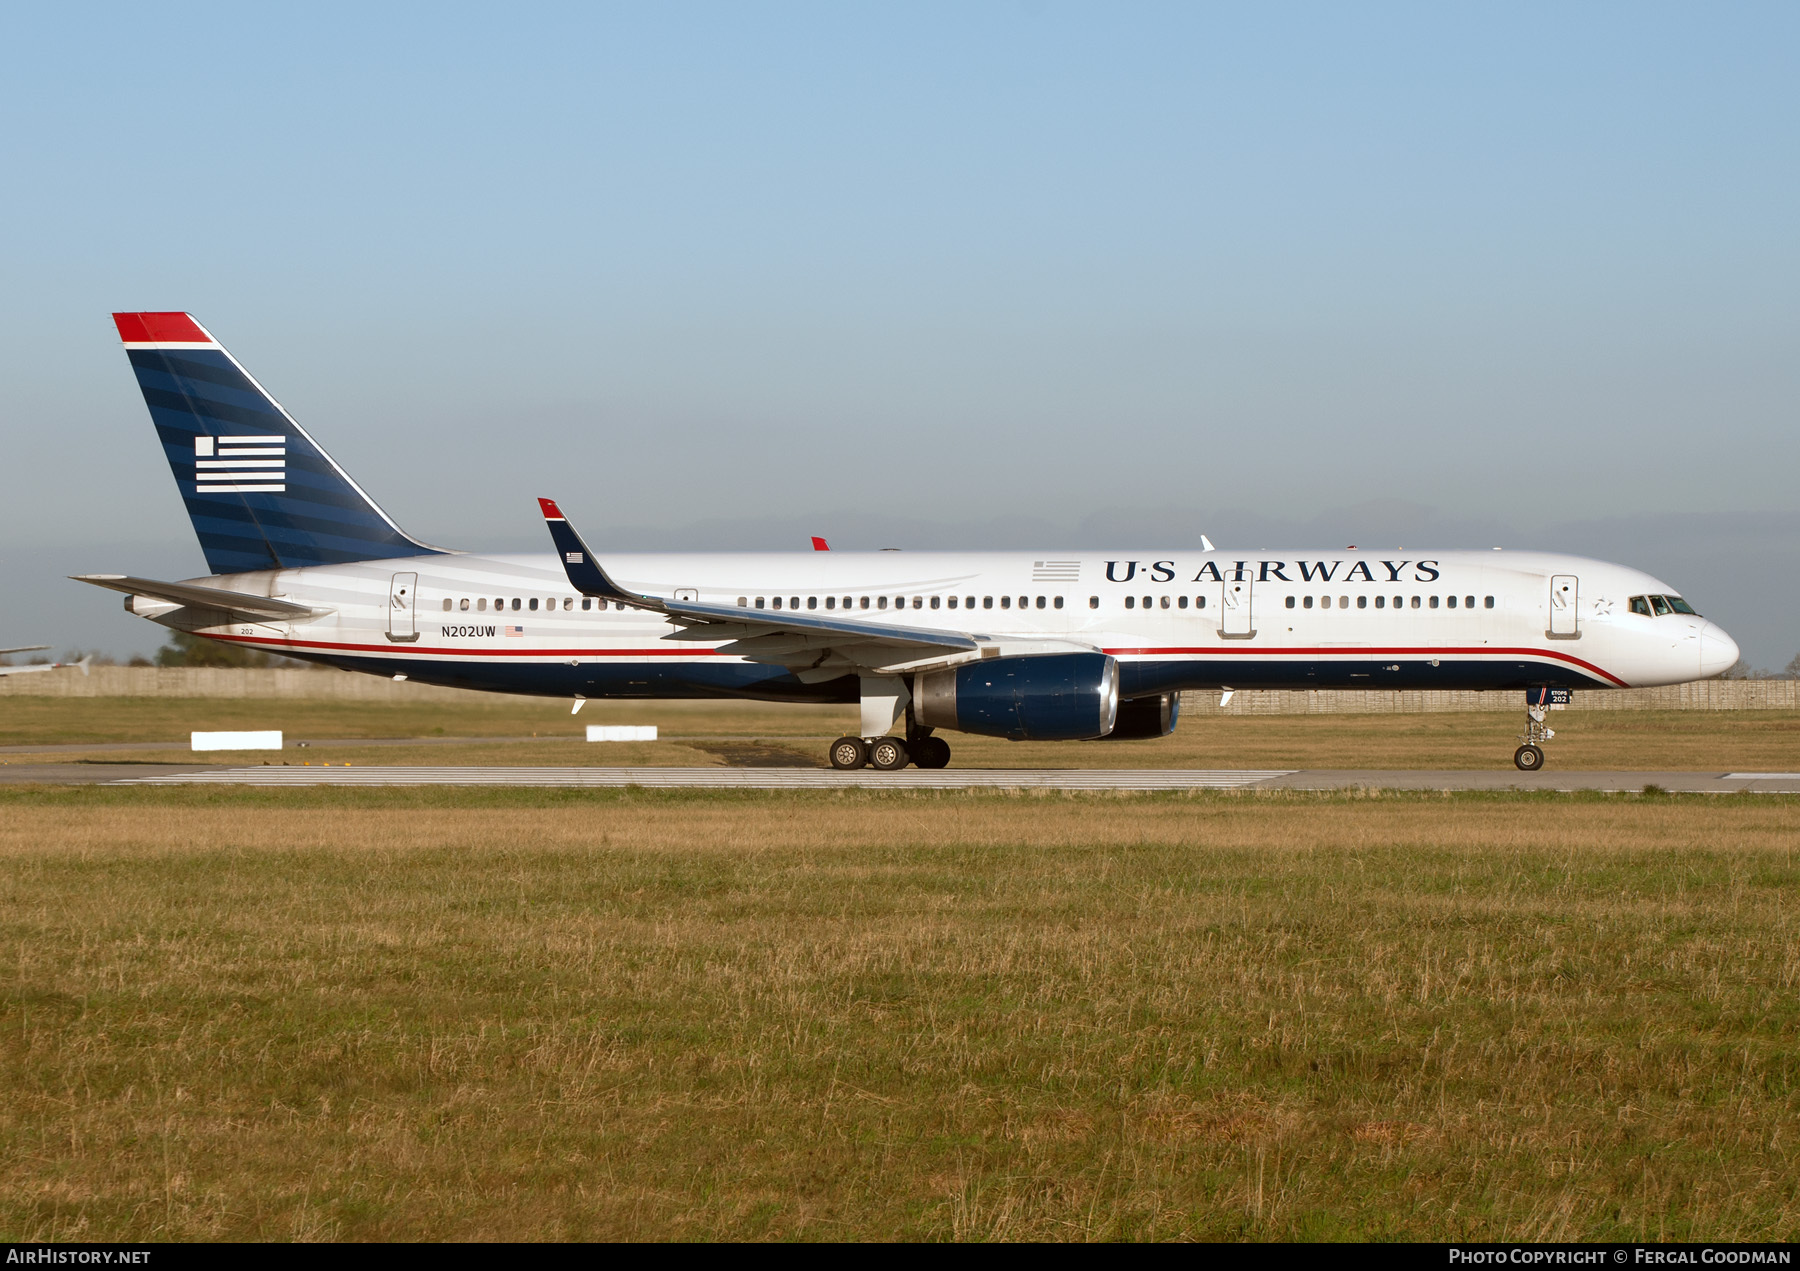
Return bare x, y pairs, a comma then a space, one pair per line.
1206, 543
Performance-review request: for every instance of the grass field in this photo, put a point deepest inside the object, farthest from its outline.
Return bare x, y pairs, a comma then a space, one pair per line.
526, 1014
707, 733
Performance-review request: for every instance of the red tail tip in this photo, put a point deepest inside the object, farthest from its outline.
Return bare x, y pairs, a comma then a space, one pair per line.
820, 545
550, 510
159, 328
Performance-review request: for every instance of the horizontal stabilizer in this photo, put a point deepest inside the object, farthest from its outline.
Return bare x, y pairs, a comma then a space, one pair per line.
257, 608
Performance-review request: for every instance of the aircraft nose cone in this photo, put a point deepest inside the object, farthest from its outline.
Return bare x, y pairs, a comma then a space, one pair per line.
1718, 651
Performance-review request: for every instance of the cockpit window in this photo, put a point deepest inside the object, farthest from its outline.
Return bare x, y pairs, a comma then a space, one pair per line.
1641, 605
1660, 605
1681, 606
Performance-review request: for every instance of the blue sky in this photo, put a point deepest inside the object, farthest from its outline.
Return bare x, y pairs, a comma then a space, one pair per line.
924, 275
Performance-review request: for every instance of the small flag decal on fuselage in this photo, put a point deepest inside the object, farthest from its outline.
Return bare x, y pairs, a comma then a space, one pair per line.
515, 631
240, 465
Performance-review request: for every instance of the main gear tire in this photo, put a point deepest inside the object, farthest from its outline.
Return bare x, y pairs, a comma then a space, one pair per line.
888, 754
931, 752
849, 753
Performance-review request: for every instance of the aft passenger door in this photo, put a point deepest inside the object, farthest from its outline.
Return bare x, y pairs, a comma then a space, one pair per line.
1234, 609
401, 628
1565, 621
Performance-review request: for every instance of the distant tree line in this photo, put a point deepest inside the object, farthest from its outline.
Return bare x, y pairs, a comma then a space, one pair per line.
1742, 670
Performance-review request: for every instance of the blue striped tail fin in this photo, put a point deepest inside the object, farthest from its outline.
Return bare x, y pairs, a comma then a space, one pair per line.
262, 494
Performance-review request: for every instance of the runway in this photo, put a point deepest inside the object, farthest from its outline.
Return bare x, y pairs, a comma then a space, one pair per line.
912, 778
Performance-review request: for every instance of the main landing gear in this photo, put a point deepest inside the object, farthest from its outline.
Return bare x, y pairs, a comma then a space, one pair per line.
887, 708
890, 754
1530, 756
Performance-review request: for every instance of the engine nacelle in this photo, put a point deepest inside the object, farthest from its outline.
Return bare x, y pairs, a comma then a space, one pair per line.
1141, 717
1041, 697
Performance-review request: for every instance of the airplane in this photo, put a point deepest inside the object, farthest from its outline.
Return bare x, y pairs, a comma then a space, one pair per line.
1044, 645
39, 666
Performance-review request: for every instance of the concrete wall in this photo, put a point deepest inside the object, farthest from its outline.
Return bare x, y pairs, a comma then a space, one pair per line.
154, 681
208, 681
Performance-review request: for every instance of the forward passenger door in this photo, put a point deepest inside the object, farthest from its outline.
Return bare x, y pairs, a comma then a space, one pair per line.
1234, 609
1565, 621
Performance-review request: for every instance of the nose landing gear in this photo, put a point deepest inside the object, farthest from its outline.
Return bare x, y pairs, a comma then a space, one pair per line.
1530, 756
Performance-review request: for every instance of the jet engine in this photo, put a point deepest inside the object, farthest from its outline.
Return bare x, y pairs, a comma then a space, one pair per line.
1141, 717
1039, 697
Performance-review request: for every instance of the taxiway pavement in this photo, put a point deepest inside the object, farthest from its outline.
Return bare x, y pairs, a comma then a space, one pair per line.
908, 779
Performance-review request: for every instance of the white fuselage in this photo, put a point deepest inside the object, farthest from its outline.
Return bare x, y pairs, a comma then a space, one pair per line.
1173, 619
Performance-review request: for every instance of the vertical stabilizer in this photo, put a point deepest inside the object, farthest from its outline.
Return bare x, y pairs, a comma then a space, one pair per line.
261, 492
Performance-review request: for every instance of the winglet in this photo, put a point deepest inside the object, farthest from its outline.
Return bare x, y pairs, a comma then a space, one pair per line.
1206, 544
585, 574
820, 545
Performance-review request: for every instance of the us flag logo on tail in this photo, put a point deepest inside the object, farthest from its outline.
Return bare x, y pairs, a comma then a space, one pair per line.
240, 465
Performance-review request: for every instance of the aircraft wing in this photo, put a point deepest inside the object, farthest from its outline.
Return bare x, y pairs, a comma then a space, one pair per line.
255, 608
816, 647
26, 670
39, 666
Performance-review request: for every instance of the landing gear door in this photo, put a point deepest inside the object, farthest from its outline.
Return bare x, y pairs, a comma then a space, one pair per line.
1234, 609
1565, 624
401, 598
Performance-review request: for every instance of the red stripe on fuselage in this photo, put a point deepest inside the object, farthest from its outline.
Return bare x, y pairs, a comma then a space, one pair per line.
1339, 651
1335, 652
469, 653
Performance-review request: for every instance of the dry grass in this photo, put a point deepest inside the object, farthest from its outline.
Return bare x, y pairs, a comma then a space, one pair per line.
454, 1014
1718, 741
